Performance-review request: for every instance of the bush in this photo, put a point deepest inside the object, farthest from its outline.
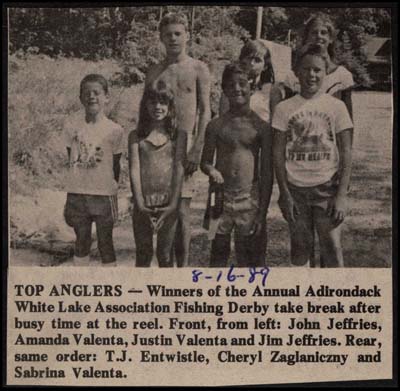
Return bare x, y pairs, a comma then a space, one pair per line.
42, 92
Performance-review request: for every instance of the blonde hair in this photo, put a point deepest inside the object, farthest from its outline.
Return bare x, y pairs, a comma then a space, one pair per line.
325, 20
252, 48
174, 18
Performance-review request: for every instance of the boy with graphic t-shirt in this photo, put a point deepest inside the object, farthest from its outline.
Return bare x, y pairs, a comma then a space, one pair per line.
94, 146
312, 156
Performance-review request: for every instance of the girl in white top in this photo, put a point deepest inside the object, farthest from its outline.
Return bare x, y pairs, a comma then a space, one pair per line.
320, 31
256, 57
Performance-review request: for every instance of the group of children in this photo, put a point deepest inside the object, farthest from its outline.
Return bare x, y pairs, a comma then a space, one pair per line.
302, 133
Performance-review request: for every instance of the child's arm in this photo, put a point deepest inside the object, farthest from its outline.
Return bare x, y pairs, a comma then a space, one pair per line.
346, 98
67, 139
117, 166
266, 178
286, 201
177, 179
134, 174
203, 94
337, 208
274, 98
207, 157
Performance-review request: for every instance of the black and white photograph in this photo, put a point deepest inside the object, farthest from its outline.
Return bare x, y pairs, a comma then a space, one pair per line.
201, 189
201, 144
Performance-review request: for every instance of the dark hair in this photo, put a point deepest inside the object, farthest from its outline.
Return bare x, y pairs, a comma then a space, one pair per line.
160, 92
251, 49
174, 18
94, 78
309, 50
326, 21
232, 69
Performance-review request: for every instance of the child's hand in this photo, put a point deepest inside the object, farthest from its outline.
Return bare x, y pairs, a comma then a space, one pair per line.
259, 223
165, 212
190, 167
144, 209
289, 208
337, 208
216, 176
192, 162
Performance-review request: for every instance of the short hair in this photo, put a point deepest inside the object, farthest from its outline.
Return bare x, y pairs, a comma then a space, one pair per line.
94, 78
309, 50
325, 20
254, 47
174, 18
161, 92
233, 69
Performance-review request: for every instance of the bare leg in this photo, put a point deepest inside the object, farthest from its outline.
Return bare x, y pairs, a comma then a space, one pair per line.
105, 240
301, 236
183, 234
165, 240
220, 250
250, 249
143, 234
83, 239
329, 239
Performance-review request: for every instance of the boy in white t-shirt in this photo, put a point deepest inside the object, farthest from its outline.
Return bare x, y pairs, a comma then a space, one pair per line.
94, 146
312, 156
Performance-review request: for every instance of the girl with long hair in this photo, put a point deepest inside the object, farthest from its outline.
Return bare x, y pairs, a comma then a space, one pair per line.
156, 154
256, 58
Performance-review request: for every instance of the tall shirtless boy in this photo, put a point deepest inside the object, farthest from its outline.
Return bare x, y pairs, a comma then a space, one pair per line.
240, 139
190, 81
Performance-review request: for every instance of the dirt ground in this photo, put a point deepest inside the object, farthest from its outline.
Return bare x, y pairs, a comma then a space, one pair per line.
366, 235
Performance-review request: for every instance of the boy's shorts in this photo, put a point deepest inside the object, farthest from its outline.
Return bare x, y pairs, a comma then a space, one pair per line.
315, 195
312, 205
84, 209
240, 211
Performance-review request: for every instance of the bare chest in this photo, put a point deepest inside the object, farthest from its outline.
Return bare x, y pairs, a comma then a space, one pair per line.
240, 134
180, 77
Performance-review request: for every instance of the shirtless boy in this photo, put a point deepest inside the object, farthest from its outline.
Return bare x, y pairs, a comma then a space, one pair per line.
240, 139
190, 82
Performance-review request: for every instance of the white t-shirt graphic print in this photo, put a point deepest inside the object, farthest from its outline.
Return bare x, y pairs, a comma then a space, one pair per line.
312, 156
92, 148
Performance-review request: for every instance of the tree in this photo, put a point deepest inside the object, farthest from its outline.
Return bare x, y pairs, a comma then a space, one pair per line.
130, 33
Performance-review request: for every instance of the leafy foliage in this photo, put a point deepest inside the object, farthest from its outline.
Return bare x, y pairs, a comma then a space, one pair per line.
352, 24
42, 91
130, 34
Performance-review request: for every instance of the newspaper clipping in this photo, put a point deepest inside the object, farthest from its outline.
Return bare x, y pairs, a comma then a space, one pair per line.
236, 163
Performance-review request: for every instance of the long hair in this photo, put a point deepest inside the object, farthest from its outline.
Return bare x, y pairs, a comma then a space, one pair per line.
256, 47
160, 92
325, 20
